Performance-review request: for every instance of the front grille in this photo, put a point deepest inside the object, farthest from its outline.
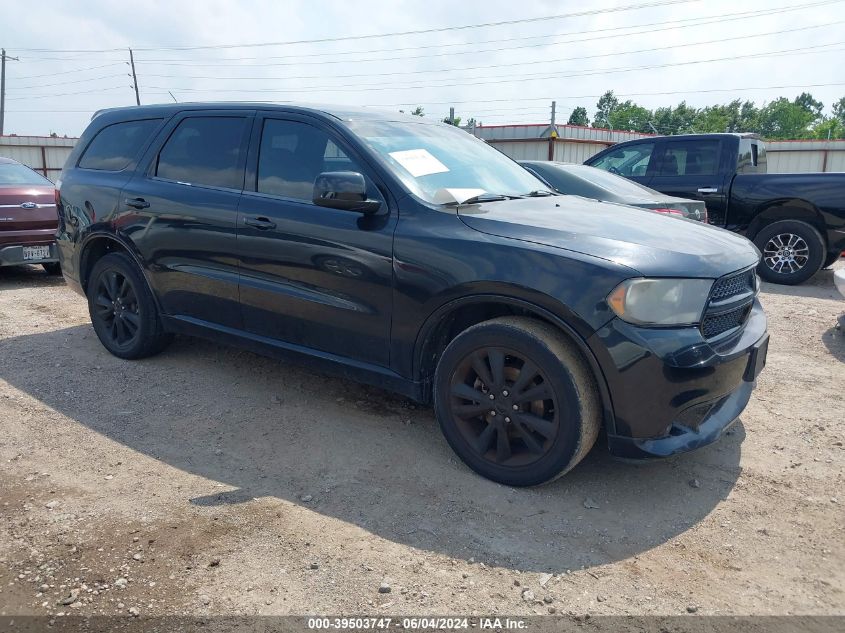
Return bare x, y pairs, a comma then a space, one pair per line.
719, 323
730, 303
733, 285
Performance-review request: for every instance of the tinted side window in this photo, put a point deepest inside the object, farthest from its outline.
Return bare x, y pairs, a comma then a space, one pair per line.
631, 160
117, 145
690, 158
204, 151
292, 155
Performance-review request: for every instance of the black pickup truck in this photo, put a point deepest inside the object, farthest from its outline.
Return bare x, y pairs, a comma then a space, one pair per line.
796, 220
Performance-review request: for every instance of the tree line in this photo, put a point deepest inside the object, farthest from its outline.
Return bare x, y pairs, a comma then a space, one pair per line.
800, 118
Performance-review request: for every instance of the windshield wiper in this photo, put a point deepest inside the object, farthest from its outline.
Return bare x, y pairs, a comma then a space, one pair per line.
487, 197
540, 193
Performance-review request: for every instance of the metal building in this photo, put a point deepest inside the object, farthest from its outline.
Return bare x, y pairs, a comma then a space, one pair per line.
45, 154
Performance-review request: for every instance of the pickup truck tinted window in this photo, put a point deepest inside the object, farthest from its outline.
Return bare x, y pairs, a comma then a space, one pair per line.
292, 155
117, 145
631, 160
204, 151
692, 158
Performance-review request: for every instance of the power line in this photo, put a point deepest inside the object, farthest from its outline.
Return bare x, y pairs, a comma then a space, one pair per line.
510, 65
68, 94
70, 70
675, 25
591, 12
513, 78
65, 83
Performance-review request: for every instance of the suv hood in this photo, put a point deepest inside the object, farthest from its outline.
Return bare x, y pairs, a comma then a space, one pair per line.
653, 244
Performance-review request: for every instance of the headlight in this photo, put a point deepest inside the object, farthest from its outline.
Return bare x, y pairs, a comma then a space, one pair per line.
660, 301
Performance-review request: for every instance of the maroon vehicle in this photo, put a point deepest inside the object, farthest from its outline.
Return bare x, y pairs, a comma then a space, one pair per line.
28, 217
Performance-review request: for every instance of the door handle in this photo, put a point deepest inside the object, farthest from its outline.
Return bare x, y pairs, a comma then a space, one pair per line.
137, 203
708, 190
260, 223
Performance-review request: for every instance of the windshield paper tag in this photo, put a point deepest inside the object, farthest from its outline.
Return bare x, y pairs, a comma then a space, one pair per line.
419, 162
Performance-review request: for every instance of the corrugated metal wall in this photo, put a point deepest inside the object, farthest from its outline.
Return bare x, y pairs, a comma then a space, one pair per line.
575, 144
45, 154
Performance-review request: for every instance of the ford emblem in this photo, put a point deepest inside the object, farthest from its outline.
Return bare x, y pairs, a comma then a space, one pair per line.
28, 205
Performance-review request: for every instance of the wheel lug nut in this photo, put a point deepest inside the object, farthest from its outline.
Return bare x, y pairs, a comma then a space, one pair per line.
507, 419
492, 397
505, 393
515, 408
493, 413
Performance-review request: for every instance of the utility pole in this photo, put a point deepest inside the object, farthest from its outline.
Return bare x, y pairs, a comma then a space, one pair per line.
3, 58
552, 133
134, 77
452, 116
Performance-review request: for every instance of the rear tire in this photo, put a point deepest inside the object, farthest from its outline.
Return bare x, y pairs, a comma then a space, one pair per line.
516, 401
793, 251
122, 309
53, 268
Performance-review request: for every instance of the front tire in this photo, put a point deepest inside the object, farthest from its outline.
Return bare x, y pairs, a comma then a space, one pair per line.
793, 251
516, 401
122, 309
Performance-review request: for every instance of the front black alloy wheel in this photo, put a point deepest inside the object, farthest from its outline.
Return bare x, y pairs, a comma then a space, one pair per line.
122, 309
516, 401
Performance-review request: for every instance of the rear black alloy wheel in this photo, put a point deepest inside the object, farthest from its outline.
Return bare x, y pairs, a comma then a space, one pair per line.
516, 401
123, 311
116, 307
792, 252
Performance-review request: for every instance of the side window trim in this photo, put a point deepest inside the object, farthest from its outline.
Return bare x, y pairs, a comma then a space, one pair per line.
251, 182
149, 160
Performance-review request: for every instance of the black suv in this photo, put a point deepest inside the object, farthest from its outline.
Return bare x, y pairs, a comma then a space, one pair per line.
413, 256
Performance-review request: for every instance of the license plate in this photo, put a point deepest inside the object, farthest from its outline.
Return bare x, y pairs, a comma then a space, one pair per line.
757, 360
36, 253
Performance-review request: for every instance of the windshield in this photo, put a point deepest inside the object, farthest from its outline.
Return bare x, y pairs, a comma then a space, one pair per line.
443, 164
17, 174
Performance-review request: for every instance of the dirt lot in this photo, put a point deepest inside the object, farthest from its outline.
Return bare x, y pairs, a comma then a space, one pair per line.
209, 480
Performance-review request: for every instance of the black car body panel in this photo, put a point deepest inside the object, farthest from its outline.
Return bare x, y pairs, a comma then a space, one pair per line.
739, 194
367, 295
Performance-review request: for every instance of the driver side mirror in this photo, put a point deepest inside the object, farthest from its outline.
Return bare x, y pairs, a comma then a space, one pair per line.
345, 190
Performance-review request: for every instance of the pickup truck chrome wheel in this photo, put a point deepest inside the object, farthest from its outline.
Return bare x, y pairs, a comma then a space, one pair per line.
786, 253
516, 400
792, 251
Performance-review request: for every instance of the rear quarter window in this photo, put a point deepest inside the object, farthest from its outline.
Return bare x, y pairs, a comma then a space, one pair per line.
117, 145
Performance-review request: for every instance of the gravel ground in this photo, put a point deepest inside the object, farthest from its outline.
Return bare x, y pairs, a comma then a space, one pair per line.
209, 481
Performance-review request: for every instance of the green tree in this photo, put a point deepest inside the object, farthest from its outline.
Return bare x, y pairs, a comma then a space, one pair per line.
839, 110
418, 111
829, 128
579, 117
606, 104
805, 100
784, 119
456, 122
630, 117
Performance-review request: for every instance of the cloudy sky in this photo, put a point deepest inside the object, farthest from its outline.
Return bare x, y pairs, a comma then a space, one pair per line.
499, 61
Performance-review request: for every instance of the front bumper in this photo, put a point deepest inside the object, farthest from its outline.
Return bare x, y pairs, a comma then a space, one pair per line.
12, 255
672, 391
